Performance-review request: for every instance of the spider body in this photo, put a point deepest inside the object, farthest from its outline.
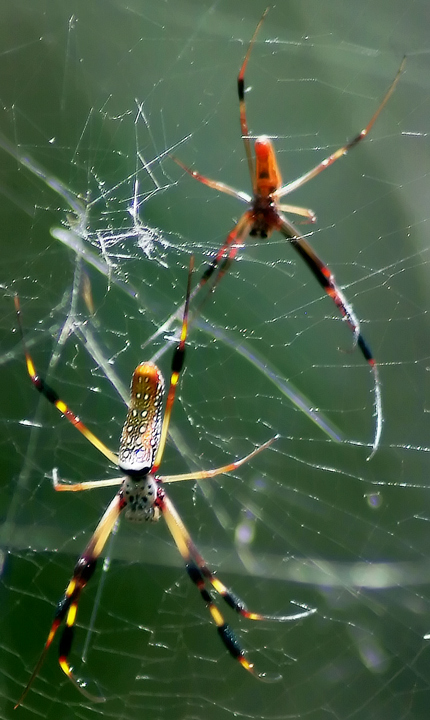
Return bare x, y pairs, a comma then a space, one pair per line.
268, 179
141, 497
266, 213
140, 439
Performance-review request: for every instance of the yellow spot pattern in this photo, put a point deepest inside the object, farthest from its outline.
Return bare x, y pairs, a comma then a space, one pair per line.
142, 427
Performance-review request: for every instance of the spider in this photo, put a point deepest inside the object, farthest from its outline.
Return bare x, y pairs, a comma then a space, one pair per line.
265, 214
141, 497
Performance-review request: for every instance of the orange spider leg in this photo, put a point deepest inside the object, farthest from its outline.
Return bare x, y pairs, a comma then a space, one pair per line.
214, 184
242, 104
204, 474
235, 239
297, 210
194, 475
80, 486
289, 187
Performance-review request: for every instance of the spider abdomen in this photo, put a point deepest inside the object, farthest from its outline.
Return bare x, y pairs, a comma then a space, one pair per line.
142, 428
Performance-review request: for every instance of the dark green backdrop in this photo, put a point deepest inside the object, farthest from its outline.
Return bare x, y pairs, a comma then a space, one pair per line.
98, 94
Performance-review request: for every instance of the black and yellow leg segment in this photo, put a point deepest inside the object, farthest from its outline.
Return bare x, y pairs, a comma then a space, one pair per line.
177, 367
52, 396
54, 627
66, 610
184, 543
83, 572
224, 630
239, 606
68, 605
200, 573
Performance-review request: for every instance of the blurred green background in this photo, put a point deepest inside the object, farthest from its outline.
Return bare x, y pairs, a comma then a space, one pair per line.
98, 94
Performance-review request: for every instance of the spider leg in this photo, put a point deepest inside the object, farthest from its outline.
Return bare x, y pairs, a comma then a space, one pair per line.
215, 184
52, 396
227, 251
203, 474
177, 366
296, 210
242, 105
236, 604
327, 281
222, 187
79, 486
68, 605
198, 572
286, 189
234, 239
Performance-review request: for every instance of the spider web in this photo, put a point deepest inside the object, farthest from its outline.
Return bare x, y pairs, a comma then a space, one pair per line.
94, 97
